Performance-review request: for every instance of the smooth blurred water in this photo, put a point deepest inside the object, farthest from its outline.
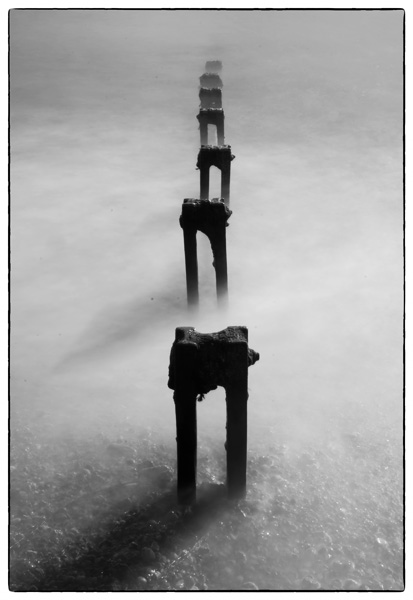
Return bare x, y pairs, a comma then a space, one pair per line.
103, 149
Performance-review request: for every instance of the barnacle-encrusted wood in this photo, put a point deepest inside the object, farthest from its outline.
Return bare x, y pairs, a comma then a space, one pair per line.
200, 363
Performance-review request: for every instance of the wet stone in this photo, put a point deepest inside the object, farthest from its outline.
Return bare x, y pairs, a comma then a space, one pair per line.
340, 568
241, 557
351, 584
308, 583
148, 554
249, 585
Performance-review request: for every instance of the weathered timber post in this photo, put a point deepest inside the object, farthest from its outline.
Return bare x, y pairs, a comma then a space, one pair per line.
213, 66
211, 116
210, 81
237, 397
198, 364
211, 219
185, 411
210, 97
220, 156
191, 262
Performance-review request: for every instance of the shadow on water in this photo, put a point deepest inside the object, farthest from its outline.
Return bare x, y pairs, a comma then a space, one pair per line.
134, 545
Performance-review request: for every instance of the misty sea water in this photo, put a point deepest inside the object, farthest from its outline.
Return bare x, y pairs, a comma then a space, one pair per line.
103, 149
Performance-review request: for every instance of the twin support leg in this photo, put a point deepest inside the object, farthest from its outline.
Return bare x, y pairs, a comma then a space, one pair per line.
234, 357
203, 129
219, 251
225, 183
191, 267
185, 395
211, 219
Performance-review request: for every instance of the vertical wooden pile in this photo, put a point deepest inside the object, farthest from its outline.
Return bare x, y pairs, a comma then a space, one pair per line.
200, 362
207, 215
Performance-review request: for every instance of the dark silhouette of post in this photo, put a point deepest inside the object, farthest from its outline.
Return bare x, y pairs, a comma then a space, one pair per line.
191, 265
220, 157
210, 97
213, 66
202, 215
198, 364
211, 116
211, 219
185, 411
210, 81
236, 398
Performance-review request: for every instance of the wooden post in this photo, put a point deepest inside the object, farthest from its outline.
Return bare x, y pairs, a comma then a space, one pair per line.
204, 183
220, 131
213, 66
191, 267
225, 182
203, 128
210, 81
185, 410
219, 249
237, 397
210, 97
200, 363
211, 219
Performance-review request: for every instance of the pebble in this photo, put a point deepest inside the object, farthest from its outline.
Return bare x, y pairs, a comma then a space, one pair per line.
323, 553
120, 450
374, 585
148, 554
342, 567
350, 584
307, 558
334, 585
241, 557
389, 583
327, 538
249, 585
309, 584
